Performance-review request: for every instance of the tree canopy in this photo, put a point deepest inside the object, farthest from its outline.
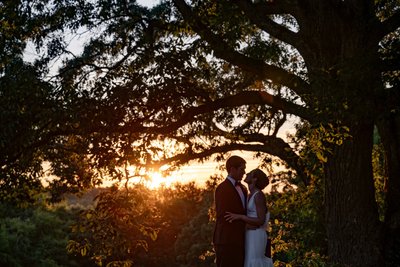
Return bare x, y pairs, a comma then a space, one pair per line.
192, 80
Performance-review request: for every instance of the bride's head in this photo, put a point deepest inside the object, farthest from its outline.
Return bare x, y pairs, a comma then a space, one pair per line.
257, 179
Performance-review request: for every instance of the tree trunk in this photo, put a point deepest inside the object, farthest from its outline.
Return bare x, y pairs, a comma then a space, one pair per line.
353, 229
389, 130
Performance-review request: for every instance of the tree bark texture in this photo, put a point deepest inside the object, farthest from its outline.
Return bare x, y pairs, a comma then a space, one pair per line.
344, 77
353, 229
389, 130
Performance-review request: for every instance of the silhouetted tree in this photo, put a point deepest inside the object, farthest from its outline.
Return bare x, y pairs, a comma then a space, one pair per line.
184, 81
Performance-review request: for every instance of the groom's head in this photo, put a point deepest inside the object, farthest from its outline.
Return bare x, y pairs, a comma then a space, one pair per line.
236, 167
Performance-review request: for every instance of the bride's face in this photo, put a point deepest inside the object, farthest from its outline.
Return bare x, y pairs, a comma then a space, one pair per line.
249, 178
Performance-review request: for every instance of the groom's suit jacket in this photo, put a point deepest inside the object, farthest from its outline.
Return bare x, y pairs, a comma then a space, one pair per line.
227, 199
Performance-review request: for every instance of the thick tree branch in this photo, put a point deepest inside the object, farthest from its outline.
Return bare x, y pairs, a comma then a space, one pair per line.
276, 144
259, 17
281, 104
279, 124
224, 51
276, 150
240, 99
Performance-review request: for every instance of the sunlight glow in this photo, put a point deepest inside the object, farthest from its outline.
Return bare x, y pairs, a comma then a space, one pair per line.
156, 180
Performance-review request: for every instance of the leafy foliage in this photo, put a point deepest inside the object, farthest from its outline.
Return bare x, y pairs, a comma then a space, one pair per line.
25, 102
297, 227
167, 227
35, 237
177, 206
177, 82
193, 245
117, 229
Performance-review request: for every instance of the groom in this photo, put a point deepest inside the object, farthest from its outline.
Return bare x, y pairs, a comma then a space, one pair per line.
230, 196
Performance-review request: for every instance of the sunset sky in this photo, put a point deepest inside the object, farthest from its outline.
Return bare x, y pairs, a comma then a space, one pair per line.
199, 173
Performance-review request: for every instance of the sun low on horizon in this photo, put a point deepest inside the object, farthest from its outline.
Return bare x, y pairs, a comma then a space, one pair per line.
156, 180
195, 172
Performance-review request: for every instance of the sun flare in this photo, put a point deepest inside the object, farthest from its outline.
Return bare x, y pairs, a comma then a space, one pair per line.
157, 180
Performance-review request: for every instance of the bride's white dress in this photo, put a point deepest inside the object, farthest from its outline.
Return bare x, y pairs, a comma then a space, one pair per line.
256, 240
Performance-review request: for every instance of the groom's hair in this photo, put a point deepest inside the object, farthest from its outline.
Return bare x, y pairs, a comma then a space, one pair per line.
234, 162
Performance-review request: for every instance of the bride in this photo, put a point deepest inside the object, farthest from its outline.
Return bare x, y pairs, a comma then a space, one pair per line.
257, 220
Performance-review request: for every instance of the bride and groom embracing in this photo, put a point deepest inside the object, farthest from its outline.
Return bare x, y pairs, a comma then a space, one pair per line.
240, 237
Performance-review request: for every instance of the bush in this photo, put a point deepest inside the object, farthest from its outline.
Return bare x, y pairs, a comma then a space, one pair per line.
34, 237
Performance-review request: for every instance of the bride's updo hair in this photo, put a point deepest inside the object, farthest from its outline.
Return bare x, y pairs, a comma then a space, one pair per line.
262, 179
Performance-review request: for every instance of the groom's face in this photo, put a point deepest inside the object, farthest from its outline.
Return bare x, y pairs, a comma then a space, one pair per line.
237, 173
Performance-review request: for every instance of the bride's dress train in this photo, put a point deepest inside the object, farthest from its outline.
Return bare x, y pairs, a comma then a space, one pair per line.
256, 240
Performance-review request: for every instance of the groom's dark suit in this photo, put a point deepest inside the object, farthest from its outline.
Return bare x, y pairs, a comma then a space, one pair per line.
229, 237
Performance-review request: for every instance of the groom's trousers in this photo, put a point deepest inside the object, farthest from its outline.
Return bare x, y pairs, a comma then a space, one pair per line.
229, 255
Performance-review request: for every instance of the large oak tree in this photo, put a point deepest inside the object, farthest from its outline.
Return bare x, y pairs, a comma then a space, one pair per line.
188, 80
